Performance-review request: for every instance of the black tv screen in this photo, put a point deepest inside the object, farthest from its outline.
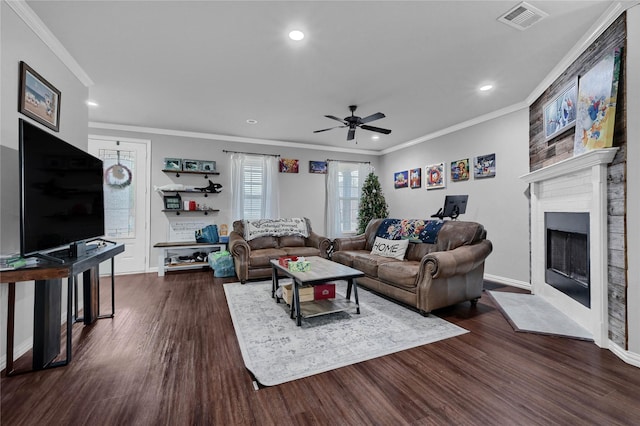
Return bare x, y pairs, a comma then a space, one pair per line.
61, 192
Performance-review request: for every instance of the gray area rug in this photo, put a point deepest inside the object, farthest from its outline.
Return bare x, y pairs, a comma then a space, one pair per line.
276, 351
532, 314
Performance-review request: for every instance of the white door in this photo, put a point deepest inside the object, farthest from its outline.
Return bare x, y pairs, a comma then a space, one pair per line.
126, 200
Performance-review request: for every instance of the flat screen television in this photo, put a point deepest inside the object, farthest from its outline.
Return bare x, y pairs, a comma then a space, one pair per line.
61, 193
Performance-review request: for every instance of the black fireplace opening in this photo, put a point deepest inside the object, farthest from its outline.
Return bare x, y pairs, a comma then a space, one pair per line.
567, 254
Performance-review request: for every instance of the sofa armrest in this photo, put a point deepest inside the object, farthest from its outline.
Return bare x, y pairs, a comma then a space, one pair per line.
445, 264
321, 243
357, 242
238, 247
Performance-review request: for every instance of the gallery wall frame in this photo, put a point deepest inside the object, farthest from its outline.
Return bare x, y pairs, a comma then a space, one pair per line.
460, 170
559, 114
484, 166
415, 178
38, 98
289, 165
318, 167
435, 176
401, 179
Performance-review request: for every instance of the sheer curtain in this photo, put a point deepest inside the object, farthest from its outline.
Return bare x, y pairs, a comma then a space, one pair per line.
338, 174
254, 187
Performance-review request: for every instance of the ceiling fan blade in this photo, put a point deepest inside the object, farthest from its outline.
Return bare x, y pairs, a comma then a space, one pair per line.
335, 118
352, 133
372, 117
376, 129
324, 130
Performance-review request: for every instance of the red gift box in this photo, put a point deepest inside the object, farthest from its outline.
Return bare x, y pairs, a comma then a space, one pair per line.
284, 261
324, 291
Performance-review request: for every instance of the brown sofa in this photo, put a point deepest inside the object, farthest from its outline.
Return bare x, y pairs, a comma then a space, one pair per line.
251, 258
430, 276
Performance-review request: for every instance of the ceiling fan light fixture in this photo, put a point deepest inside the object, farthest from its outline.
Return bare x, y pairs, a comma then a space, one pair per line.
296, 35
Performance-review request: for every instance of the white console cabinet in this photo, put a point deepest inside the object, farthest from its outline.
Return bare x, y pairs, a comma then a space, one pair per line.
171, 249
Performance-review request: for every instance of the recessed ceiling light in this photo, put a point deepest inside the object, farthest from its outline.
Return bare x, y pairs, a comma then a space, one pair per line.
296, 35
486, 87
252, 121
92, 103
375, 137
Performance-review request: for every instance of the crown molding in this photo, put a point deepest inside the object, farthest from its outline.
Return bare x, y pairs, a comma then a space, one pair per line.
226, 138
33, 21
457, 127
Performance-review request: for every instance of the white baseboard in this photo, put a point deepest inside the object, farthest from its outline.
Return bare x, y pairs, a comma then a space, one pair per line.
508, 281
18, 351
630, 358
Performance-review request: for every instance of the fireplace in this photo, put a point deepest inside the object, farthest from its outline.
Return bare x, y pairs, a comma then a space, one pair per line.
576, 188
567, 254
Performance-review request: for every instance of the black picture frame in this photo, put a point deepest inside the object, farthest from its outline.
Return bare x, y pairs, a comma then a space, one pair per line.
173, 202
38, 99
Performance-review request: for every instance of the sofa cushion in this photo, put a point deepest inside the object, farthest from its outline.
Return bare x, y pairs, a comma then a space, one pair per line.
263, 243
261, 257
301, 251
394, 249
346, 257
292, 241
369, 263
399, 274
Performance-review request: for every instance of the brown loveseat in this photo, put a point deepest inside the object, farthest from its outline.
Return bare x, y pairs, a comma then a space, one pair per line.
251, 258
431, 275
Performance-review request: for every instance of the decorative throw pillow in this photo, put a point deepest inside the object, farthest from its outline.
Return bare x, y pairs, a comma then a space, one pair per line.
390, 248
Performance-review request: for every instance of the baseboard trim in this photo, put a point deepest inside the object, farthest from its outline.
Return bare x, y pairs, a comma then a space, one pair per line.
508, 281
18, 351
630, 358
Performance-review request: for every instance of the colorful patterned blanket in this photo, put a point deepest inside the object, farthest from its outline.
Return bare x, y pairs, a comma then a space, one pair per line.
275, 228
422, 230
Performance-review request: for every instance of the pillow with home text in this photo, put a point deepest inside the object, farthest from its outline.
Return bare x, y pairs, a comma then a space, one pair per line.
390, 248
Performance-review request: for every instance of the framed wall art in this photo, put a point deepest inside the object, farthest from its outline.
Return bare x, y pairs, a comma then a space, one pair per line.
191, 165
484, 166
289, 165
435, 176
39, 100
415, 178
597, 97
560, 114
173, 164
401, 179
460, 170
318, 167
208, 166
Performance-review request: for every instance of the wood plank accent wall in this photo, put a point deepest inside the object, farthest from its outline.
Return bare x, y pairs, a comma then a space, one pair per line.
544, 153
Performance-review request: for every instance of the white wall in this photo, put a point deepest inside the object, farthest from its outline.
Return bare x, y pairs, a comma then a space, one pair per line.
301, 194
499, 203
633, 180
19, 43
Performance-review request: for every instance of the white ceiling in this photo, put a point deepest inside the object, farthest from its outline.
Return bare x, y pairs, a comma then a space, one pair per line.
208, 66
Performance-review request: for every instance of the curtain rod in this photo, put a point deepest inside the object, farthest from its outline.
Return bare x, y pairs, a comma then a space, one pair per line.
250, 153
345, 161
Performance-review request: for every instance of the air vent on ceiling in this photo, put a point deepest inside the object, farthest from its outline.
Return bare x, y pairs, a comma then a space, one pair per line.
523, 16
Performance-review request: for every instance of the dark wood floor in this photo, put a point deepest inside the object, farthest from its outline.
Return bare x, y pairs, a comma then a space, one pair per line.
170, 357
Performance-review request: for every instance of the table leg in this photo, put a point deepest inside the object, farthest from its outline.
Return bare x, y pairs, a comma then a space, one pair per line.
296, 302
274, 283
11, 313
355, 294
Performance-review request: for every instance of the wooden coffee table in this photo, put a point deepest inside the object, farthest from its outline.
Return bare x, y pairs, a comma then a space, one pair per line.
322, 270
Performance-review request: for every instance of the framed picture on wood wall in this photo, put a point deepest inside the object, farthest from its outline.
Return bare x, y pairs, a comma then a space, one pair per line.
560, 114
39, 100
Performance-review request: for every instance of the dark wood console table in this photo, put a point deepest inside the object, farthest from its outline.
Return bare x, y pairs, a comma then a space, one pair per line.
47, 305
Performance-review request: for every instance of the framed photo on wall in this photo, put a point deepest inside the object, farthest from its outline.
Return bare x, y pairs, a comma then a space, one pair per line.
39, 100
435, 176
401, 179
415, 178
484, 166
289, 165
319, 167
191, 165
460, 170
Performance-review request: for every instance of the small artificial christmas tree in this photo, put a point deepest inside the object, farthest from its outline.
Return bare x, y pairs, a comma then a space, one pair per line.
372, 202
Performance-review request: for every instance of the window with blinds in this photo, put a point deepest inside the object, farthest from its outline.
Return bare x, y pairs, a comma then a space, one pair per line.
349, 197
253, 188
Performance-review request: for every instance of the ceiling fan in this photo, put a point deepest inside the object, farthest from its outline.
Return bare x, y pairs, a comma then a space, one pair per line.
354, 121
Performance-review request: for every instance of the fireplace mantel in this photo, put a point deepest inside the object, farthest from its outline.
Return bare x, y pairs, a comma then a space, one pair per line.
577, 184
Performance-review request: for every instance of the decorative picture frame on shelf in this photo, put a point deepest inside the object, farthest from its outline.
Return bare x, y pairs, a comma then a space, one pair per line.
173, 164
173, 202
318, 167
39, 99
560, 113
208, 166
191, 165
